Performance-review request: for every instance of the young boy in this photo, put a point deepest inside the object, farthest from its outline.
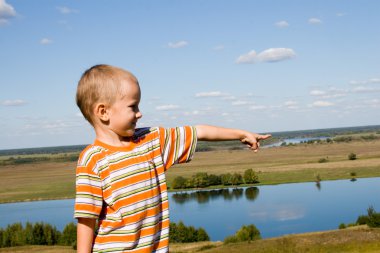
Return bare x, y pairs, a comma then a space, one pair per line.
120, 180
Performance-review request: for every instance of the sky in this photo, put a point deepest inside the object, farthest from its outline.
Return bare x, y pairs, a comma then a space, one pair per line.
259, 65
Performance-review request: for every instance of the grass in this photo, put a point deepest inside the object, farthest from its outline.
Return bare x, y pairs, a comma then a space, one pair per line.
56, 180
357, 239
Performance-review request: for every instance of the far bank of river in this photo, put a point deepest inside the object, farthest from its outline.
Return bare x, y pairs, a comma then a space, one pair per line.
276, 210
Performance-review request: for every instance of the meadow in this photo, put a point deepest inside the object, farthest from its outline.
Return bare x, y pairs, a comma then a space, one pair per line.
357, 239
55, 179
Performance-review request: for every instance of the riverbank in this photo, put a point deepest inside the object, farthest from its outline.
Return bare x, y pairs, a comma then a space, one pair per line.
357, 239
276, 165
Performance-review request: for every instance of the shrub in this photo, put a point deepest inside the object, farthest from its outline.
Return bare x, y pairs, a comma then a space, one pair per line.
181, 233
250, 177
342, 226
179, 183
362, 220
352, 156
373, 218
236, 179
245, 233
323, 160
226, 179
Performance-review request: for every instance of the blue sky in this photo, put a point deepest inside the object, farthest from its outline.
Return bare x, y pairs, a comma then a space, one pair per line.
263, 66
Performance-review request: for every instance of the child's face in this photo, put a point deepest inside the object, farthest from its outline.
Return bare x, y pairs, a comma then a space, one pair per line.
124, 113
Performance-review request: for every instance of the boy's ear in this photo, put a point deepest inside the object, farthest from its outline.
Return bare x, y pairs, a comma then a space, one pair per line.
101, 112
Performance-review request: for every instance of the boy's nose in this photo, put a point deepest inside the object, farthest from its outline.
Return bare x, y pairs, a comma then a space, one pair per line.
139, 115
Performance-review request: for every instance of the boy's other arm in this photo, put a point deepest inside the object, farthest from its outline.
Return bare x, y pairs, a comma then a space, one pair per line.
212, 133
85, 234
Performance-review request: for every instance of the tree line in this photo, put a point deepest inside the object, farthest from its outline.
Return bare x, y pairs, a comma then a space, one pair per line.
37, 234
203, 179
45, 234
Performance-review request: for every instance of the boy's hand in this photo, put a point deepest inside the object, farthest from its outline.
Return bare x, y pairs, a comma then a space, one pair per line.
252, 140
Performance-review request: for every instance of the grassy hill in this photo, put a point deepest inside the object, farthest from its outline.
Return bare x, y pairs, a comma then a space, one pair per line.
353, 240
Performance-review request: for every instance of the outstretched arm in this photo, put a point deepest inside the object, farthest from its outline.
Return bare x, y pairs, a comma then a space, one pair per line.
212, 133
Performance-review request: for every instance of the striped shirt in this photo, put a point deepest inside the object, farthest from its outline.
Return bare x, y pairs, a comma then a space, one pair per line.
125, 188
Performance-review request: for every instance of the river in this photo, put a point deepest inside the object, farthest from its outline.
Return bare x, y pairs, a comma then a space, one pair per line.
274, 209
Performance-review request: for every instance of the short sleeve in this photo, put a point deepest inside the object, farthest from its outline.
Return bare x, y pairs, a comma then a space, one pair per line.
88, 199
177, 144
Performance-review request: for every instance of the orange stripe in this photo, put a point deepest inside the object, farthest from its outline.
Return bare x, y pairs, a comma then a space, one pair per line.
133, 237
137, 217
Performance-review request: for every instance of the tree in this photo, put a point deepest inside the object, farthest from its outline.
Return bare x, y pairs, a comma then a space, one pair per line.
202, 235
200, 180
248, 233
69, 235
179, 183
236, 179
51, 234
226, 179
214, 179
250, 177
38, 234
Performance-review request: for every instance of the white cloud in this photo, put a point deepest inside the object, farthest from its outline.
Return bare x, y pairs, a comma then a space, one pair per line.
276, 54
317, 93
365, 89
332, 92
178, 44
257, 107
6, 12
45, 41
282, 24
250, 57
374, 102
240, 102
166, 107
369, 81
291, 104
321, 103
210, 94
268, 55
314, 21
66, 10
16, 102
341, 14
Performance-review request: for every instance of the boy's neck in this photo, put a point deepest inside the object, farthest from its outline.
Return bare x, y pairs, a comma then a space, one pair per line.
111, 138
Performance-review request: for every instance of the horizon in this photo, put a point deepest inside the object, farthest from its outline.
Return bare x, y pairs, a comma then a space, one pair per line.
278, 132
263, 66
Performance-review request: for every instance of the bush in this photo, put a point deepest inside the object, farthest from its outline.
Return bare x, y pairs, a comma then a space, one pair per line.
342, 226
181, 233
245, 233
250, 177
179, 183
362, 220
352, 156
323, 160
226, 179
236, 179
373, 218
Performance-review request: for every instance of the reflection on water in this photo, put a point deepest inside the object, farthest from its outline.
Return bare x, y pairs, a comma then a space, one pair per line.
204, 196
279, 210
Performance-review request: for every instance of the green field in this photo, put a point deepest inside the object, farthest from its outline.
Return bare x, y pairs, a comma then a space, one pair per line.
277, 165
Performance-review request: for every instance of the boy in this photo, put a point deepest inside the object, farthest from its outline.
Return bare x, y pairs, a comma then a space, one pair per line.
120, 178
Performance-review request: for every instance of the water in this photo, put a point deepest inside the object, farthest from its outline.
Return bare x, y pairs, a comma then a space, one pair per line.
296, 141
275, 210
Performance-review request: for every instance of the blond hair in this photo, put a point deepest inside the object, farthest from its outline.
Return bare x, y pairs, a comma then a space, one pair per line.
100, 83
